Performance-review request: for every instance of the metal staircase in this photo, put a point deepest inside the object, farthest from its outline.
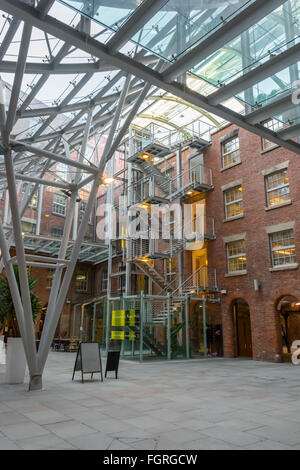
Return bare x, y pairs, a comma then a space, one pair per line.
148, 269
203, 279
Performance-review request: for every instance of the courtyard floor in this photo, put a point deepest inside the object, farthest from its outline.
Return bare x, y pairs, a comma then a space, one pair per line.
197, 404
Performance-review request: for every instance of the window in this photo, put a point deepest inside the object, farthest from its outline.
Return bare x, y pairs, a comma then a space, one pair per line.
33, 202
83, 205
122, 278
82, 281
28, 227
234, 202
56, 232
274, 125
231, 152
104, 281
277, 188
50, 277
196, 167
282, 248
236, 256
59, 205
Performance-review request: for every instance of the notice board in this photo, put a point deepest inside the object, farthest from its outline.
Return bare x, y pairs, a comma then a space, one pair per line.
88, 359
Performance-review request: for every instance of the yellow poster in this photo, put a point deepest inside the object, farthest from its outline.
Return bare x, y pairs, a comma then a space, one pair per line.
118, 318
120, 335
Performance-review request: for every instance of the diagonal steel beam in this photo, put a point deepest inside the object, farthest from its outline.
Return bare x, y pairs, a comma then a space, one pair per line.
15, 93
35, 112
125, 63
274, 108
141, 15
15, 23
258, 74
289, 132
36, 68
231, 29
24, 147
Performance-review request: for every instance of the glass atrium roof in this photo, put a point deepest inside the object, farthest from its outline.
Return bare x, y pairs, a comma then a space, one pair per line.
191, 66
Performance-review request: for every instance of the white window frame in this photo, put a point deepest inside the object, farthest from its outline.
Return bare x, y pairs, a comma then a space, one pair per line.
228, 204
283, 247
274, 125
59, 206
229, 257
225, 154
276, 188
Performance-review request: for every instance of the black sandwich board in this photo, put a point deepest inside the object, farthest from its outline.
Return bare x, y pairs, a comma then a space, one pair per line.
112, 362
88, 359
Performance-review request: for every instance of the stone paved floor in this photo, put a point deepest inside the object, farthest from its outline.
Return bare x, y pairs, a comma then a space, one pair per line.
198, 404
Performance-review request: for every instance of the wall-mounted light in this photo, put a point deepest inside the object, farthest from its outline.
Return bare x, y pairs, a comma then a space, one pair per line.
257, 285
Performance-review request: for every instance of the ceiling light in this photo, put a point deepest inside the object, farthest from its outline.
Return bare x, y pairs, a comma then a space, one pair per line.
108, 180
145, 156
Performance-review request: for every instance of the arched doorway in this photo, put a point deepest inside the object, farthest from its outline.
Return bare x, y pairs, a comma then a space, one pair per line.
242, 325
289, 316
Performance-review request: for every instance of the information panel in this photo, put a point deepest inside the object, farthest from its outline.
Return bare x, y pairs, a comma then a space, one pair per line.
123, 324
88, 359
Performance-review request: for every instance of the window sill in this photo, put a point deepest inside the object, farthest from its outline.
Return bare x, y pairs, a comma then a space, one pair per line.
58, 215
275, 146
234, 218
285, 267
230, 166
276, 206
238, 273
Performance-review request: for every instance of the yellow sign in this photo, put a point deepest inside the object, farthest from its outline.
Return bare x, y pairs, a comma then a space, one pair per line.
118, 318
118, 335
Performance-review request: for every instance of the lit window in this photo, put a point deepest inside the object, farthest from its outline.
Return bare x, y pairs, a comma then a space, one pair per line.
234, 202
277, 188
274, 125
283, 248
33, 202
82, 281
59, 205
28, 227
231, 152
236, 256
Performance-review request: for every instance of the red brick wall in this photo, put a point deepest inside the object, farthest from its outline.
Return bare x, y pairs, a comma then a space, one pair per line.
266, 336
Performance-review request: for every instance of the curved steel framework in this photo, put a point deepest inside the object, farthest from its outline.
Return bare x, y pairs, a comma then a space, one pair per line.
74, 70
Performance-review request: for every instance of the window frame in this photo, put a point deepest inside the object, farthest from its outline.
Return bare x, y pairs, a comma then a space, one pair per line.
284, 247
104, 280
59, 204
225, 154
276, 188
275, 126
229, 257
228, 204
84, 281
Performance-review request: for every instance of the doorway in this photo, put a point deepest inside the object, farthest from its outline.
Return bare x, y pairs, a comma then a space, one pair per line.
289, 315
242, 323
